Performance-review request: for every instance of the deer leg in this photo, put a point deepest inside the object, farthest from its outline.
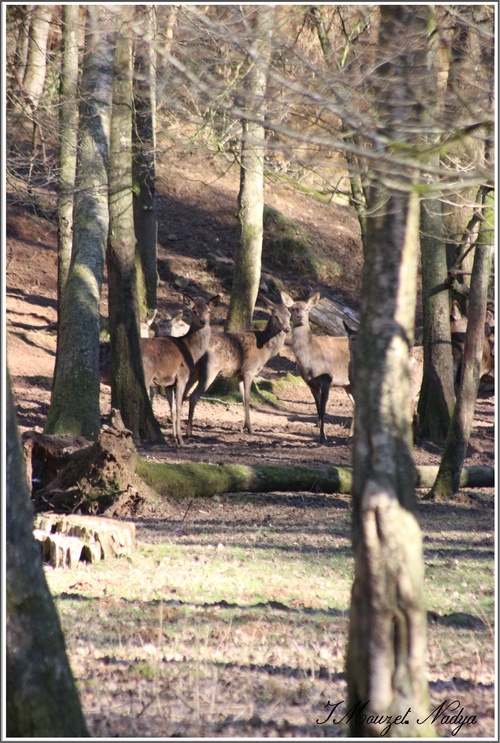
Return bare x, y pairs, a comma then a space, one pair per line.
324, 392
179, 392
351, 430
207, 374
245, 386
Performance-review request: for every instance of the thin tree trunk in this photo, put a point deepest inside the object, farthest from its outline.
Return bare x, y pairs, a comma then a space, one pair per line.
128, 391
437, 396
448, 478
247, 267
74, 404
144, 158
41, 696
68, 134
36, 65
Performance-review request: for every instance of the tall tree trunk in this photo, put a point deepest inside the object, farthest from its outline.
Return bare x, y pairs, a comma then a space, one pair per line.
128, 391
74, 406
68, 134
387, 627
448, 478
247, 268
36, 65
41, 696
144, 158
437, 395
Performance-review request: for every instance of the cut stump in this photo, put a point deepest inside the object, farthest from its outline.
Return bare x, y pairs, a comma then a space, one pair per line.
67, 540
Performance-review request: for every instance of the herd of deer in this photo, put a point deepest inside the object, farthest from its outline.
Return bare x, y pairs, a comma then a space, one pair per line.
186, 359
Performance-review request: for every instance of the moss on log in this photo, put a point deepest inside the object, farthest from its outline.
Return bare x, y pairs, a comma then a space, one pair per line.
197, 480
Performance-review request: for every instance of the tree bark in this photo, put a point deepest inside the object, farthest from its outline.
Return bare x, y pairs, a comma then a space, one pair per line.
247, 265
128, 391
74, 404
36, 65
448, 478
68, 135
144, 158
386, 647
437, 396
41, 696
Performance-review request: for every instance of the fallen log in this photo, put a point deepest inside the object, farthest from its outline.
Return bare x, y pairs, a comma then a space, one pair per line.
190, 480
108, 477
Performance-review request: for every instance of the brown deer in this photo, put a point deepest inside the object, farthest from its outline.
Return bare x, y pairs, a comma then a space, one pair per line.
323, 361
241, 354
172, 325
458, 323
169, 362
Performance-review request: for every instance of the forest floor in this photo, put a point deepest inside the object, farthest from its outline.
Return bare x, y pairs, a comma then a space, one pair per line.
261, 695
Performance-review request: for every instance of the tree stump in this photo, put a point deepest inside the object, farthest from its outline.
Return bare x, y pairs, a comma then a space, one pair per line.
67, 540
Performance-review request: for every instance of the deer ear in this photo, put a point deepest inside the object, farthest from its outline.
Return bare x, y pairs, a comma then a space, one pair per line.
188, 301
270, 305
286, 299
214, 301
314, 299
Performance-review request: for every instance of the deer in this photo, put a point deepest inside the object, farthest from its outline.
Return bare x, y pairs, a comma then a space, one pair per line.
323, 361
458, 324
172, 325
241, 354
169, 362
416, 365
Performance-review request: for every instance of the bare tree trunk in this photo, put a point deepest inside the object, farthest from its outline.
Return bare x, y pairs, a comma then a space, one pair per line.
448, 478
247, 267
74, 404
128, 391
387, 629
144, 158
68, 134
36, 65
437, 396
41, 696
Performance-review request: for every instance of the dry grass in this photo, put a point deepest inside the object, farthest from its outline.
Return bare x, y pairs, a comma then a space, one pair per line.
232, 620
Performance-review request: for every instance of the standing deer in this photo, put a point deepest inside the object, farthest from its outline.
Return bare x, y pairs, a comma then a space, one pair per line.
323, 361
169, 362
241, 354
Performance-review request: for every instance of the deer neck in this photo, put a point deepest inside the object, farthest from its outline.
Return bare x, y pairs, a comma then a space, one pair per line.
197, 341
270, 337
301, 341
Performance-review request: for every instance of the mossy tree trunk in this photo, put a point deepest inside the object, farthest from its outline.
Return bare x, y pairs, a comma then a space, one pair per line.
387, 629
128, 391
68, 133
74, 406
144, 157
41, 696
247, 267
448, 478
